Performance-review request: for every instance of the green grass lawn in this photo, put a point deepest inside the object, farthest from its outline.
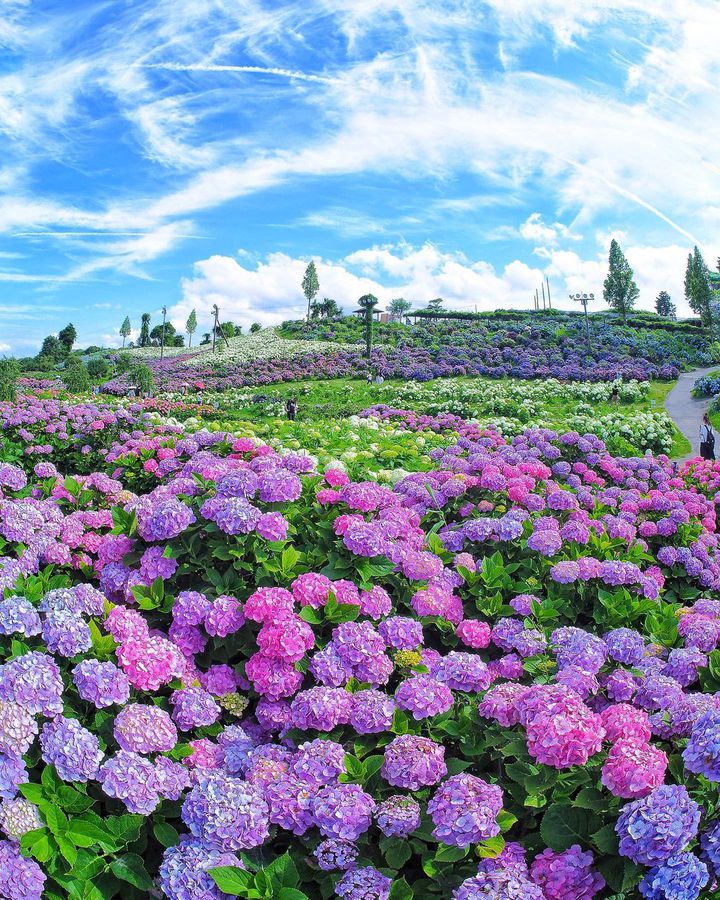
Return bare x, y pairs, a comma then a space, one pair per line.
323, 401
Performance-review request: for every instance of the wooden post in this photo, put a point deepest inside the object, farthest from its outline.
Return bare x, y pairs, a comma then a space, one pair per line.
547, 281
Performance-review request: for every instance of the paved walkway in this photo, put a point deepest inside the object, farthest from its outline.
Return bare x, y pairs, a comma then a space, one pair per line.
685, 410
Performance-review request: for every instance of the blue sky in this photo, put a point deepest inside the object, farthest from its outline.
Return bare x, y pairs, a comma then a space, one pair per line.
191, 152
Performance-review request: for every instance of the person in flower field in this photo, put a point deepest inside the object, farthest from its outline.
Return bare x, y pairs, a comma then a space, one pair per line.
707, 438
291, 408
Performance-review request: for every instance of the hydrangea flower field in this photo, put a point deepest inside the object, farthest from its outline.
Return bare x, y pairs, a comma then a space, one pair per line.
433, 661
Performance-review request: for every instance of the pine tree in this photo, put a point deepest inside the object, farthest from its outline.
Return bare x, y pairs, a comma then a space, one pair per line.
310, 285
144, 339
190, 326
436, 305
619, 289
125, 329
697, 286
664, 306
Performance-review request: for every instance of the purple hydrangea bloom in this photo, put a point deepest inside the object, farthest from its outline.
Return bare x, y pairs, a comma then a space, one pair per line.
424, 696
401, 632
161, 520
625, 646
172, 777
193, 707
20, 878
17, 817
73, 750
66, 633
499, 884
343, 810
363, 884
656, 827
319, 761
372, 712
682, 877
334, 854
464, 809
321, 708
19, 616
131, 778
142, 728
462, 672
398, 816
289, 799
566, 874
17, 729
184, 870
12, 774
226, 813
413, 762
702, 754
33, 681
101, 683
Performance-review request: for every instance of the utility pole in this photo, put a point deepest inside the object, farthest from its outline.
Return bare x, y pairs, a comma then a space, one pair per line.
216, 328
162, 337
583, 299
547, 282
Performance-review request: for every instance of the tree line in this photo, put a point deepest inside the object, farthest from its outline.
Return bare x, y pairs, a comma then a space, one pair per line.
621, 292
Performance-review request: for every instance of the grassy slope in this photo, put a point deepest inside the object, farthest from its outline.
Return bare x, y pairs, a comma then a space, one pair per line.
322, 400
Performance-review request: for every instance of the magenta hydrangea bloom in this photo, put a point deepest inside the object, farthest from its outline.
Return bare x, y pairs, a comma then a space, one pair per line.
566, 875
633, 768
413, 762
464, 809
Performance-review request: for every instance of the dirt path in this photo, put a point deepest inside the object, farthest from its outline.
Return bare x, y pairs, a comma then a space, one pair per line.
685, 410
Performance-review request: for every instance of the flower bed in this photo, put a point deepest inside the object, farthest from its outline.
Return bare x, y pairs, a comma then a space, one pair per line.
225, 671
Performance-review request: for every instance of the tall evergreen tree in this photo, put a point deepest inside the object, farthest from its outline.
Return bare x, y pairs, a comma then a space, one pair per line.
125, 329
619, 290
310, 286
190, 326
144, 339
436, 305
664, 306
697, 286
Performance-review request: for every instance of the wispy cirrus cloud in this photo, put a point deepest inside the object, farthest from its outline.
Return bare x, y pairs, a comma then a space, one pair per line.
128, 131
